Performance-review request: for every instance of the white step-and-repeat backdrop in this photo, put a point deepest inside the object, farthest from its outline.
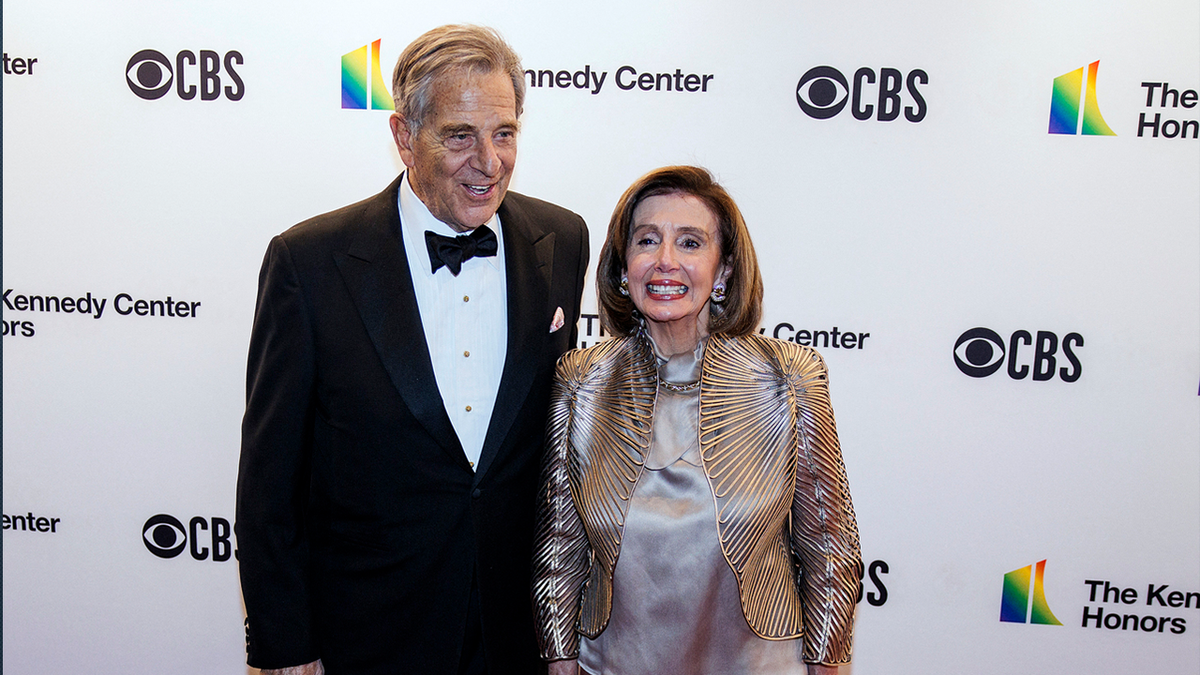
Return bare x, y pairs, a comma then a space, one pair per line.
985, 214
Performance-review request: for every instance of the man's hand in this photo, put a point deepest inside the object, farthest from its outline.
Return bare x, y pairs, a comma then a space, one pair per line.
567, 667
314, 668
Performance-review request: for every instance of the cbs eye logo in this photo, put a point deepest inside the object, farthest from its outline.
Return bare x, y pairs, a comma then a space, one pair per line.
150, 75
165, 536
824, 91
981, 352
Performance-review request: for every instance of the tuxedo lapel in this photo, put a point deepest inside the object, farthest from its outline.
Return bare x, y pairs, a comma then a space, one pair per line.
529, 266
376, 271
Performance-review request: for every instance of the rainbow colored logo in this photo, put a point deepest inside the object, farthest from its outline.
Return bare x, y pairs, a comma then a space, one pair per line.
359, 89
1015, 605
1064, 105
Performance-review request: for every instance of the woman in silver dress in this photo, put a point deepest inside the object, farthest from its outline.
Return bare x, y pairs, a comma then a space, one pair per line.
694, 515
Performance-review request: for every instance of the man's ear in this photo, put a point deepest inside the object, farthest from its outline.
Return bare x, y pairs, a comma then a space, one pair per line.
402, 134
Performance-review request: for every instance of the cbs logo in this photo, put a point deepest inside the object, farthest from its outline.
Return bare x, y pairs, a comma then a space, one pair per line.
150, 75
879, 596
165, 536
981, 352
824, 91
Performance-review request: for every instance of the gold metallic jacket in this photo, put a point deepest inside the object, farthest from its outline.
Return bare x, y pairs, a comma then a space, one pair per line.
770, 451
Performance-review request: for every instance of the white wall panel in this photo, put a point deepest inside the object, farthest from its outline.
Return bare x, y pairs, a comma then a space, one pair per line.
913, 232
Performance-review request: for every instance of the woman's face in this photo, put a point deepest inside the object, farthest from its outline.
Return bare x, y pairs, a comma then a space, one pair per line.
673, 258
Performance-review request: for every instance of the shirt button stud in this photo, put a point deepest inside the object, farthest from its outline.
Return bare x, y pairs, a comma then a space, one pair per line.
468, 408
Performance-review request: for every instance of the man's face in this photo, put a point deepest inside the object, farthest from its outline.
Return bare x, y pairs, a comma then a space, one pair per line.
460, 161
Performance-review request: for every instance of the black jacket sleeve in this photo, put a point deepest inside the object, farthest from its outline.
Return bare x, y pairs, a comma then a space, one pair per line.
272, 490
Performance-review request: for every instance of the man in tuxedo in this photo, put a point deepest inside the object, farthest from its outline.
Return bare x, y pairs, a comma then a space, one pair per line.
398, 378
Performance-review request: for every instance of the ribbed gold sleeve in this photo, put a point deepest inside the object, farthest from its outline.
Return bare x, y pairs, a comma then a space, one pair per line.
597, 436
771, 451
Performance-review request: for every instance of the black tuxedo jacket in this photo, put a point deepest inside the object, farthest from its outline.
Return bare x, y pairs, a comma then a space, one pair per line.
359, 520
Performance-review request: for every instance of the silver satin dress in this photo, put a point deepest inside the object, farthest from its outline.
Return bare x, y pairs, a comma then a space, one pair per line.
676, 607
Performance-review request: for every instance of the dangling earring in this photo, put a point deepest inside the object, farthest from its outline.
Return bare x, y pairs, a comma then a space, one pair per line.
624, 288
718, 293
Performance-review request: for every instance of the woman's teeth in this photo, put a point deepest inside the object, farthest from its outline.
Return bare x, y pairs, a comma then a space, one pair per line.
667, 290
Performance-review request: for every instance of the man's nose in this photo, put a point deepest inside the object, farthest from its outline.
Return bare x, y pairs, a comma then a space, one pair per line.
487, 160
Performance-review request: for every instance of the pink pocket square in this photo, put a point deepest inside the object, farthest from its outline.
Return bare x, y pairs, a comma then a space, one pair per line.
559, 320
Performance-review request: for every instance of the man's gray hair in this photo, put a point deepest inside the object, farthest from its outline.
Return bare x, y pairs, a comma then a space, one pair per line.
475, 50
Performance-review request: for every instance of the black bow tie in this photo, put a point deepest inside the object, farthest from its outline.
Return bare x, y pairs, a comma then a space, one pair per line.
454, 251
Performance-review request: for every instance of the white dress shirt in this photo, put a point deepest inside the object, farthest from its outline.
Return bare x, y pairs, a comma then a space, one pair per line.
465, 318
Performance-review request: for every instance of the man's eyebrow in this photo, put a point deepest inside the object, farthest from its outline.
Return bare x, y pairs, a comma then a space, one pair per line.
452, 128
461, 127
